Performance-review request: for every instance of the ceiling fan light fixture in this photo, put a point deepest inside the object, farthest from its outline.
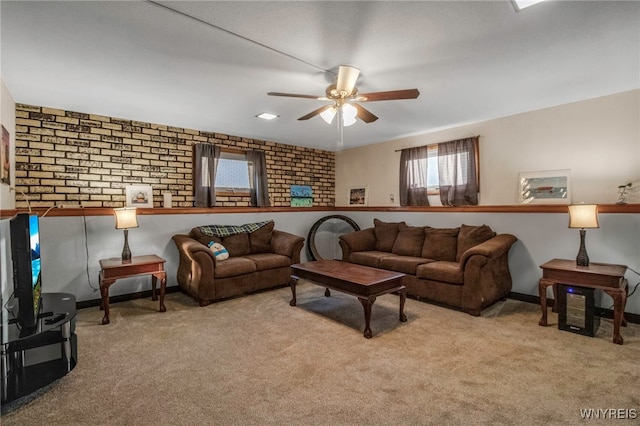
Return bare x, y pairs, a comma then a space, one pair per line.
349, 114
328, 114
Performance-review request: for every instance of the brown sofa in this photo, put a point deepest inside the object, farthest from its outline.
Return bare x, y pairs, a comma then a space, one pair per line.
465, 267
257, 260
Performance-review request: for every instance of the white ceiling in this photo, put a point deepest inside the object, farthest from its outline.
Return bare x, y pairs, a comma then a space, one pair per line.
471, 61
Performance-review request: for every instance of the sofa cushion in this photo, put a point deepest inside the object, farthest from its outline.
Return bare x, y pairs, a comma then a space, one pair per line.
440, 243
409, 241
368, 258
404, 264
237, 245
266, 261
386, 233
234, 266
470, 236
196, 234
448, 272
260, 240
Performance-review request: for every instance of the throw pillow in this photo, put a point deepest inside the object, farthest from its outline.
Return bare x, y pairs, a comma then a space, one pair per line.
260, 239
471, 236
440, 243
237, 245
386, 233
409, 241
219, 251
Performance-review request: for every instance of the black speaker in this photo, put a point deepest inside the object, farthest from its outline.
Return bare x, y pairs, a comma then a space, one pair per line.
577, 309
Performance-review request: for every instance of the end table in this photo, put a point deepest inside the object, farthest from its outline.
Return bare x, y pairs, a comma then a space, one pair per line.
603, 276
114, 268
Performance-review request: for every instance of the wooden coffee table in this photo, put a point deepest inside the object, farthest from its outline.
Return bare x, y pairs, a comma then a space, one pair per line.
363, 282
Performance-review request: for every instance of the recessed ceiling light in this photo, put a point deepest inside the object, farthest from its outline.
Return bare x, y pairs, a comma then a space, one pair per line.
522, 4
267, 116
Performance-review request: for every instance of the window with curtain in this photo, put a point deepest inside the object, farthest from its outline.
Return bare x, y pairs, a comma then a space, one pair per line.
448, 170
229, 172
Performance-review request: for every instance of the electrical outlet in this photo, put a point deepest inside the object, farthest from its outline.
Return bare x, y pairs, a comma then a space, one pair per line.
392, 198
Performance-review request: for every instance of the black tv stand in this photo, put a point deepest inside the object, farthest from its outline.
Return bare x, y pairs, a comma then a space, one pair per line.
36, 357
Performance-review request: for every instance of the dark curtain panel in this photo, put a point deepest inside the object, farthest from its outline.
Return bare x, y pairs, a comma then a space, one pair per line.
204, 172
258, 179
413, 177
457, 172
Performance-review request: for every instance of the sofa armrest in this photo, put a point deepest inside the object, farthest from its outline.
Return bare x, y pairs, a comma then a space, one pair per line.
363, 240
492, 248
196, 267
287, 244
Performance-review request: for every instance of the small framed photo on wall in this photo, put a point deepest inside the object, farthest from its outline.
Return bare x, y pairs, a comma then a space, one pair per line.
358, 196
139, 196
4, 157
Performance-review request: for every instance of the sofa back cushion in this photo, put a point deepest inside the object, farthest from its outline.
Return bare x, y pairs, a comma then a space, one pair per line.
409, 241
197, 234
386, 233
440, 243
260, 240
470, 236
237, 245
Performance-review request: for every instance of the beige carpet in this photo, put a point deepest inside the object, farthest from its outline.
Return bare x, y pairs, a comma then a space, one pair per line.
255, 360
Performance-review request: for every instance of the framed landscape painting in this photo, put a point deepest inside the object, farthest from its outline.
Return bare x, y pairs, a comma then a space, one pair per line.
139, 196
545, 187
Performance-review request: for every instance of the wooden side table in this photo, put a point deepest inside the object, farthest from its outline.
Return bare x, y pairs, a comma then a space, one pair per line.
603, 276
114, 268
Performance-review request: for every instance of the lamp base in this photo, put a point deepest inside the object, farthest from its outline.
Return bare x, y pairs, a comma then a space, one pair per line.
583, 258
126, 253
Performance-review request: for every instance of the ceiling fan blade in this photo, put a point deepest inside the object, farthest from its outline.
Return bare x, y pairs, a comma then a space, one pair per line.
315, 112
388, 96
364, 114
294, 95
347, 77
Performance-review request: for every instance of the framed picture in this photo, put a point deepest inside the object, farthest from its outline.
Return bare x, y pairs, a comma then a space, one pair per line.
5, 172
139, 196
301, 196
358, 196
545, 187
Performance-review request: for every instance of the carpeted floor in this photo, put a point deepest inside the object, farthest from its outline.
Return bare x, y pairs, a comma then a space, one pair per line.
257, 361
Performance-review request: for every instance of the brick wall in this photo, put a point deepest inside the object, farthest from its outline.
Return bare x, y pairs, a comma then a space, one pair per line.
66, 157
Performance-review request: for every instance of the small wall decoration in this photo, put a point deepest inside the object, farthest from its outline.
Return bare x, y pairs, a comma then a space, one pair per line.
358, 196
301, 196
545, 187
5, 149
139, 196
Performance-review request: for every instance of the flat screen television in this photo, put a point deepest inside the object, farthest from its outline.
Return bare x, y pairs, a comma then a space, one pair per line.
25, 256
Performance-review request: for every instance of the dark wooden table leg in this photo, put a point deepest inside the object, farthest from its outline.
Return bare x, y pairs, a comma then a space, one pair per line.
542, 292
154, 280
403, 298
367, 304
618, 313
163, 288
104, 292
327, 293
292, 282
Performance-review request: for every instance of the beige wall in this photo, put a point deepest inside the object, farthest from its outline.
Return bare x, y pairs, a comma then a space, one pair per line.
8, 119
597, 139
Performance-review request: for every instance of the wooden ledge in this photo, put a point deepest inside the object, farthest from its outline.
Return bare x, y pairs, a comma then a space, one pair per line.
108, 211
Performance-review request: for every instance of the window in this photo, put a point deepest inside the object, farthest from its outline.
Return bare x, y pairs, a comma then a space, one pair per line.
448, 170
232, 173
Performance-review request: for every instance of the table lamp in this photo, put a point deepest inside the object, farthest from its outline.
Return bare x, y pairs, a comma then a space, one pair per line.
583, 216
126, 218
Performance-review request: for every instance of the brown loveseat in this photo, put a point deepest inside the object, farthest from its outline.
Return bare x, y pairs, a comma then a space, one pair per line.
257, 260
465, 267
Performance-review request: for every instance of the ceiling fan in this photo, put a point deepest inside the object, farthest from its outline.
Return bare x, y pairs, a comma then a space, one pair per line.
344, 95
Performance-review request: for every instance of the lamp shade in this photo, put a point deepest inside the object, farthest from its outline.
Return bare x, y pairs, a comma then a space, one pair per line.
583, 216
126, 218
349, 114
328, 114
